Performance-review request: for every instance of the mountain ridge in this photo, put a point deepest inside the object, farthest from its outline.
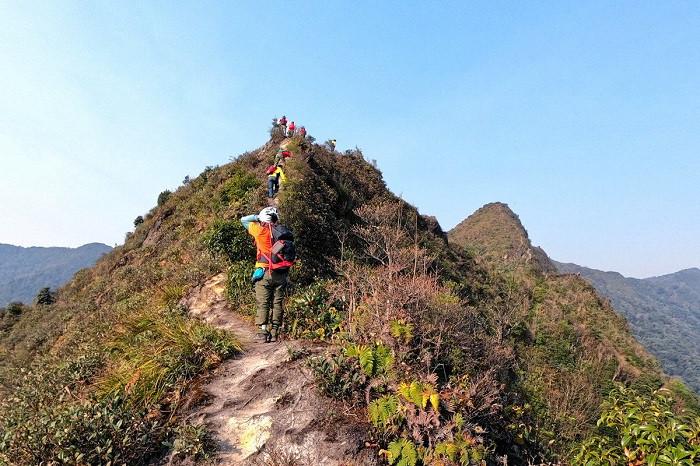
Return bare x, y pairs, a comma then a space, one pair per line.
434, 352
663, 311
25, 270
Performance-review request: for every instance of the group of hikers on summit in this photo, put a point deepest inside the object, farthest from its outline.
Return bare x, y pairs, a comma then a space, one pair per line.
290, 129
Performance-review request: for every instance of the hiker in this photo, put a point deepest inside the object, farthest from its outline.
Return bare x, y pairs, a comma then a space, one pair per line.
302, 132
283, 123
331, 144
290, 129
275, 176
282, 156
275, 255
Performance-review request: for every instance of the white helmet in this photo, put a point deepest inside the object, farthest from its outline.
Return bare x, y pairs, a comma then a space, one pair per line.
269, 215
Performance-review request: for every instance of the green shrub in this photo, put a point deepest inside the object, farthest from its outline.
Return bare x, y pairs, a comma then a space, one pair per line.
172, 294
229, 238
14, 309
307, 209
374, 360
339, 376
416, 432
642, 429
237, 186
238, 286
402, 452
310, 315
559, 346
192, 442
86, 432
163, 197
45, 297
45, 399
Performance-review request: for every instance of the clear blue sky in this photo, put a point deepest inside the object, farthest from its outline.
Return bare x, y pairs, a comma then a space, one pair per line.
583, 116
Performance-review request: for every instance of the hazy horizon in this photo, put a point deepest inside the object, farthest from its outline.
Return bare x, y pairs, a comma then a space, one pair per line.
582, 117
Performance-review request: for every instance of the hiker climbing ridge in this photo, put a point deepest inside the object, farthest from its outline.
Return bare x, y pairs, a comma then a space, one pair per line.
274, 242
275, 255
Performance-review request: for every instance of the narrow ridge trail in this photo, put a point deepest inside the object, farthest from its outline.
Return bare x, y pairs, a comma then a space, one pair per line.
263, 405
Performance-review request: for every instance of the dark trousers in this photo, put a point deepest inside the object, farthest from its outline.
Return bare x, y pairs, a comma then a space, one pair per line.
269, 294
273, 185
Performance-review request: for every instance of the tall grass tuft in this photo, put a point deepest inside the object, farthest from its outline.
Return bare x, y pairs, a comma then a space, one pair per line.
154, 352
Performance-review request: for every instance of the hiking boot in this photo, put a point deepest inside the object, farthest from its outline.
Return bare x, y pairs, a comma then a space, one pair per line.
274, 335
263, 335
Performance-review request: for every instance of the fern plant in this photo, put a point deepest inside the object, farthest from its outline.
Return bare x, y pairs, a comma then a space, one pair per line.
420, 394
374, 361
402, 331
402, 452
385, 413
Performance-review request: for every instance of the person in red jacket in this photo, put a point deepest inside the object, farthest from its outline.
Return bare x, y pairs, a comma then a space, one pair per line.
283, 121
290, 129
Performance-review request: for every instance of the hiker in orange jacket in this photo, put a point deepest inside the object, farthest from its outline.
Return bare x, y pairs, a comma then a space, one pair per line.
270, 284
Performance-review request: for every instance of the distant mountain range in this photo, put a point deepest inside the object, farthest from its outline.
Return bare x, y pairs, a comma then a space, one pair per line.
24, 271
663, 312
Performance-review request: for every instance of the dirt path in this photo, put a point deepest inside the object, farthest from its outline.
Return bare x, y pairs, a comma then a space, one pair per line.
263, 406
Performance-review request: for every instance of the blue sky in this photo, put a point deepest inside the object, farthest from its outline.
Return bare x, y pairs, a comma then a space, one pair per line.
583, 116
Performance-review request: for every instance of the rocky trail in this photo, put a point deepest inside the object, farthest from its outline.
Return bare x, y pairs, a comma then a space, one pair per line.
262, 407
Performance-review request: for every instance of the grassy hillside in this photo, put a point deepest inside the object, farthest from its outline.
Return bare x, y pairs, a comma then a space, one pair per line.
663, 312
494, 233
447, 359
24, 271
571, 345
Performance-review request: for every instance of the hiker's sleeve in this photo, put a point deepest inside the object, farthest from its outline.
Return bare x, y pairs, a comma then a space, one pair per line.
246, 221
283, 178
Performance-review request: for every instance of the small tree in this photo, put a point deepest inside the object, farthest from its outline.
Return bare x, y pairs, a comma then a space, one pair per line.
138, 221
15, 308
163, 197
45, 297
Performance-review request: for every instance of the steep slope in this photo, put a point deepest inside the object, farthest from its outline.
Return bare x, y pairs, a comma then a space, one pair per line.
663, 312
495, 234
24, 271
566, 336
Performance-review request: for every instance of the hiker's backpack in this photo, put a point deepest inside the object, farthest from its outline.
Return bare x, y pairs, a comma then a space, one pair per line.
283, 253
271, 169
